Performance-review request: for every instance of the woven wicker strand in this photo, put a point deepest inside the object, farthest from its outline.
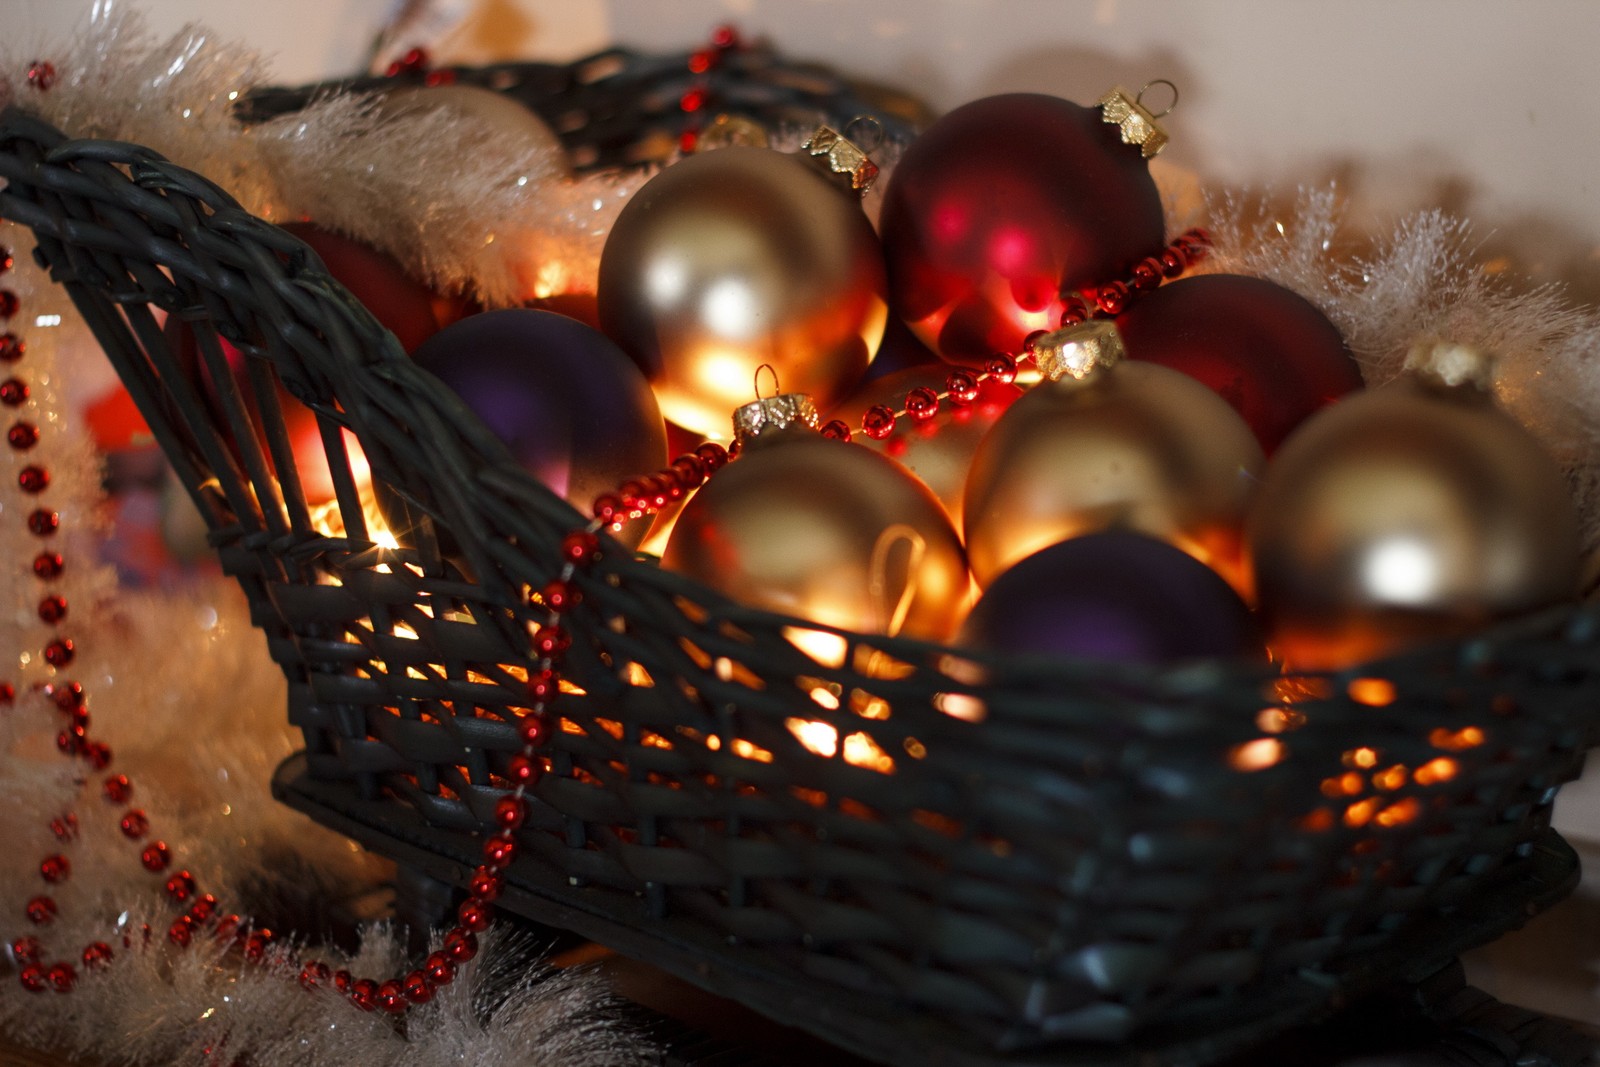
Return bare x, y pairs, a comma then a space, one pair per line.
1091, 862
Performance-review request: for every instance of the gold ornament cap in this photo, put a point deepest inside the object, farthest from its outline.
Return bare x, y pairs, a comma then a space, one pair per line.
774, 413
1137, 122
1079, 351
732, 131
841, 159
1451, 365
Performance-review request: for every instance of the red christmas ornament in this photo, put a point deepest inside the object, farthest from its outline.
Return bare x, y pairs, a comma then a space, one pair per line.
1001, 206
1265, 349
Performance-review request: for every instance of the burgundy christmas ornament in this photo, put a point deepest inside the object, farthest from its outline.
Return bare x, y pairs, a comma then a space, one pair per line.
1265, 349
1115, 595
1004, 203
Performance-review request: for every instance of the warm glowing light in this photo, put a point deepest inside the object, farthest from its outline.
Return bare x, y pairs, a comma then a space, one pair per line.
1456, 740
961, 706
825, 698
1317, 821
1391, 779
1279, 720
1256, 755
826, 648
1375, 692
818, 737
1365, 758
862, 751
1435, 771
1344, 785
1361, 812
1399, 813
1402, 572
405, 631
750, 751
914, 748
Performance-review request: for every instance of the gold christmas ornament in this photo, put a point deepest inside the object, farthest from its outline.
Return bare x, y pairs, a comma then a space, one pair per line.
825, 530
1107, 443
1412, 512
939, 451
735, 258
518, 130
1138, 123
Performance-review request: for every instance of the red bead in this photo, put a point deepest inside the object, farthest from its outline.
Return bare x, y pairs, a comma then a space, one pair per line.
693, 99
135, 824
633, 493
499, 851
523, 770
63, 976
878, 421
580, 547
156, 857
59, 653
688, 140
181, 932
118, 789
314, 974
1073, 315
1001, 367
144, 931
8, 693
725, 37
485, 885
255, 946
439, 77
41, 911
701, 61
22, 436
12, 348
47, 566
713, 455
341, 981
534, 730
70, 741
1112, 298
26, 949
460, 944
65, 828
474, 915
439, 969
96, 955
560, 596
392, 997
509, 812
416, 988
41, 75
9, 304
53, 608
7, 261
33, 478
364, 994
202, 909
551, 641
837, 429
34, 979
13, 391
691, 471
922, 404
181, 886
56, 868
609, 508
98, 754
227, 927
68, 696
1147, 274
543, 686
962, 386
43, 523
1172, 264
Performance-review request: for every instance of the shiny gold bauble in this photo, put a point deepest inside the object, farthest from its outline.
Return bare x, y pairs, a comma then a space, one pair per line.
939, 451
518, 131
1132, 446
1412, 512
736, 258
828, 531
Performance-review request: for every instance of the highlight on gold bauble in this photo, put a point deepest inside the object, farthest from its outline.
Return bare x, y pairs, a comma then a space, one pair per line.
1108, 443
826, 530
736, 258
1415, 511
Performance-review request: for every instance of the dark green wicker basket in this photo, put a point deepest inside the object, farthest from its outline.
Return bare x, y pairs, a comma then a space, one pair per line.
1111, 861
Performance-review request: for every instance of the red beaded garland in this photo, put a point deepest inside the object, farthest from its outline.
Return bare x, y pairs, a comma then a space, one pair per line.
836, 429
47, 566
922, 404
509, 812
13, 392
98, 755
474, 915
314, 974
485, 885
12, 349
543, 685
118, 789
135, 824
878, 421
41, 911
551, 641
523, 770
22, 436
68, 696
9, 304
534, 730
181, 886
255, 946
65, 828
43, 522
439, 969
417, 988
460, 944
8, 693
63, 976
391, 997
26, 949
560, 596
156, 857
6, 259
55, 868
181, 932
97, 954
364, 994
41, 75
580, 547
34, 978
59, 653
53, 608
33, 479
498, 851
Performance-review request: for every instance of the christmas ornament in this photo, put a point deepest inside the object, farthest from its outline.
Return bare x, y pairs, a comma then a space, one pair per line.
1114, 595
1104, 443
572, 408
407, 308
1003, 205
735, 258
1418, 510
825, 530
517, 132
1265, 349
938, 446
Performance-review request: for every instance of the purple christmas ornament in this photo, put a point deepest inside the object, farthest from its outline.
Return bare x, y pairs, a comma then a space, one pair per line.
1117, 596
575, 411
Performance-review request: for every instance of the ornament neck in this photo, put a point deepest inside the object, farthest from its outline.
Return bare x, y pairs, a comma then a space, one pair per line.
1080, 352
1449, 367
771, 414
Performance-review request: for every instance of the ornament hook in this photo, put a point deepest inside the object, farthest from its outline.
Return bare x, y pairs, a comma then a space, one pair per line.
866, 132
1145, 88
756, 383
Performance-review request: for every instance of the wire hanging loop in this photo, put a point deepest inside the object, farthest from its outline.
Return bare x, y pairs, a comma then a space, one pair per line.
756, 382
866, 131
1147, 86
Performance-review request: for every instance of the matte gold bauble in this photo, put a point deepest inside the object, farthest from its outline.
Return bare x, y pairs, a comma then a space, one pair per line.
828, 531
1106, 443
938, 451
1416, 511
519, 132
733, 259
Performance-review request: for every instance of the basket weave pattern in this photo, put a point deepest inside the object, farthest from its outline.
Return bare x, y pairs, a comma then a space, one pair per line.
1106, 850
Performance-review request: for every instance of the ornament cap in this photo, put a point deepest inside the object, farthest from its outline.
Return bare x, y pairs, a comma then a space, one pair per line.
841, 159
1451, 365
732, 131
1138, 123
1078, 351
773, 413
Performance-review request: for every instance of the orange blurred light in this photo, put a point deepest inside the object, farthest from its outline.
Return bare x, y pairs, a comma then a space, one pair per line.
1399, 813
1456, 740
1256, 755
1361, 812
1391, 779
1374, 692
1361, 757
1436, 770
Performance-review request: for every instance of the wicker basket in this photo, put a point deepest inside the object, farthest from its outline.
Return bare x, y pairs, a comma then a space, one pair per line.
1110, 861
